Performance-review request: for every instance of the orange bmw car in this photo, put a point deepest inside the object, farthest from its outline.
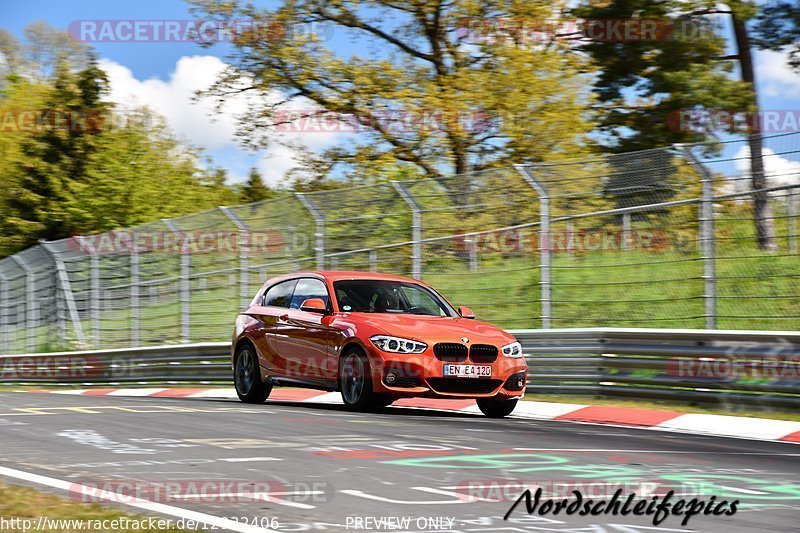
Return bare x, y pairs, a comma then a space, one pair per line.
375, 338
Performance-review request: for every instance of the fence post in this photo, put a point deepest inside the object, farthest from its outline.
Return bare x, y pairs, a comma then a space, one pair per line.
319, 219
473, 253
5, 325
94, 291
30, 296
791, 214
185, 289
69, 298
626, 231
244, 256
545, 249
373, 261
134, 293
416, 228
706, 228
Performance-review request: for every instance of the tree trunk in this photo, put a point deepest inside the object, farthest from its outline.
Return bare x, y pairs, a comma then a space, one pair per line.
762, 211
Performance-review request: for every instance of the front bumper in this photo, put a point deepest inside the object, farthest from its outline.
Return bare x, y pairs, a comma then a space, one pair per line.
422, 375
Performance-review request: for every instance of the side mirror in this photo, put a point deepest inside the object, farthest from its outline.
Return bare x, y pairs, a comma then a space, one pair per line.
465, 312
314, 305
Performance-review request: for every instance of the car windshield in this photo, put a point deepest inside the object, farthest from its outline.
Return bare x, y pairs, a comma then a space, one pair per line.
383, 296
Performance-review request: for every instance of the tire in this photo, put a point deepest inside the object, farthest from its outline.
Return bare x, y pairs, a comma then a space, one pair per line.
247, 376
355, 383
495, 408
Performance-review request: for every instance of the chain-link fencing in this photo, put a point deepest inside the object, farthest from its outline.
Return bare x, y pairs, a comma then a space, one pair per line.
656, 238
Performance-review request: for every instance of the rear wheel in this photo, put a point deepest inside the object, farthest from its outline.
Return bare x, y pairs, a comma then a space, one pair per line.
355, 382
495, 407
247, 377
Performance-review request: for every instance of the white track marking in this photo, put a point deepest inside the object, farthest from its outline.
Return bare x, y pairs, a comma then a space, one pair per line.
744, 491
135, 392
258, 496
363, 494
249, 459
211, 520
461, 495
328, 397
757, 428
225, 394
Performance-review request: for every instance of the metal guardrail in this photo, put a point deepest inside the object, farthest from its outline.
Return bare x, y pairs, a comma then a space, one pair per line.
730, 368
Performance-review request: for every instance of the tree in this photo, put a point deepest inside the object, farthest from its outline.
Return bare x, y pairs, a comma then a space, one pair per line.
38, 56
778, 27
254, 189
651, 84
56, 157
124, 170
437, 93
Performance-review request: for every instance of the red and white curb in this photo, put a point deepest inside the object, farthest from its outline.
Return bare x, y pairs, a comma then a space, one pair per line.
673, 421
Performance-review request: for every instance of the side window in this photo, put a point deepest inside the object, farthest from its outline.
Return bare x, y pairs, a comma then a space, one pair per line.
308, 288
280, 295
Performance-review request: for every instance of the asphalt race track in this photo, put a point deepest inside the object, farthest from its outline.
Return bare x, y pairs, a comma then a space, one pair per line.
326, 469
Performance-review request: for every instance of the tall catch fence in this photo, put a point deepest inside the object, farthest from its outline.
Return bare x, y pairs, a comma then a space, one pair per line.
656, 238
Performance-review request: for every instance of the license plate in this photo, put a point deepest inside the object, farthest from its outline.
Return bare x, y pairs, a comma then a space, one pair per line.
468, 371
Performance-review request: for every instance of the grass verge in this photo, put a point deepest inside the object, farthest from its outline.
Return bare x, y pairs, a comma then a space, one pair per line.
18, 504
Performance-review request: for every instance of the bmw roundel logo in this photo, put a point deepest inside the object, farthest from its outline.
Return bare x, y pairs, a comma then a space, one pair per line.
464, 340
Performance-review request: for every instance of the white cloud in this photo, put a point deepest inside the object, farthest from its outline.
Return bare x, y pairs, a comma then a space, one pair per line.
777, 169
196, 121
777, 80
173, 99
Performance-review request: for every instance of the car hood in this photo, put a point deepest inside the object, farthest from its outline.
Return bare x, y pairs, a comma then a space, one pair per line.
432, 329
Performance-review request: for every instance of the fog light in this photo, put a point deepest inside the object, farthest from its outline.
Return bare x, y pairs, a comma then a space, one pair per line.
520, 382
391, 377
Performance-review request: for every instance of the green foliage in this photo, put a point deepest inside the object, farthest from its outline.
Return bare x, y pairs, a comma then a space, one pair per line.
88, 168
778, 26
457, 106
646, 84
44, 202
254, 189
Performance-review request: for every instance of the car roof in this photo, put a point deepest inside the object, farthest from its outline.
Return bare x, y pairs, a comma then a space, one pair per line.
338, 275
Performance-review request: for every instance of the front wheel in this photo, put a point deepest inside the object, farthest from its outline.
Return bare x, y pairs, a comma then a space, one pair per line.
355, 382
496, 408
247, 377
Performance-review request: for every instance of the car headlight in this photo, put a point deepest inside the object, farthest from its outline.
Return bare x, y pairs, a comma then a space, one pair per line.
512, 350
397, 344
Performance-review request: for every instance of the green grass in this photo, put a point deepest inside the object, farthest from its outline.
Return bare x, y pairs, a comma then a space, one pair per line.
26, 503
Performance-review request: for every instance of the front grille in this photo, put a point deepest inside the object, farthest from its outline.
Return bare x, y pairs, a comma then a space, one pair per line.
450, 352
515, 382
464, 385
483, 353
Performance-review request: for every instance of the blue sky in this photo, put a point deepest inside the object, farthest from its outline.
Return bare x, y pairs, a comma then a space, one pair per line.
163, 75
